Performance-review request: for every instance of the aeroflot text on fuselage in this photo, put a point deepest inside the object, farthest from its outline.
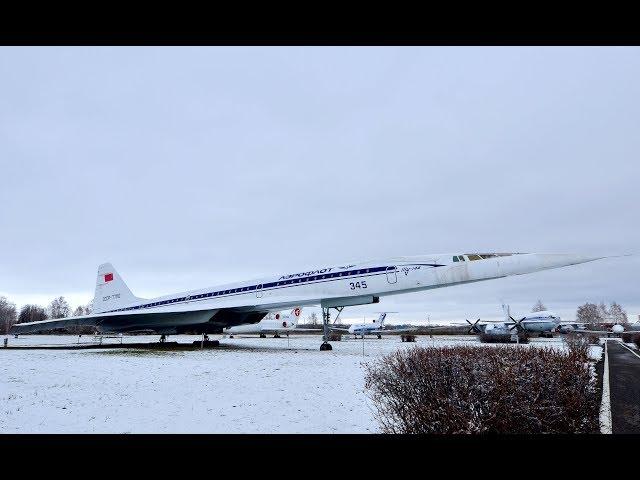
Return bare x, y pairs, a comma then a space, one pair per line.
312, 272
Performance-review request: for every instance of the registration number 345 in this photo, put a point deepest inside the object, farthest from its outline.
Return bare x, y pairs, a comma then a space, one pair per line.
355, 285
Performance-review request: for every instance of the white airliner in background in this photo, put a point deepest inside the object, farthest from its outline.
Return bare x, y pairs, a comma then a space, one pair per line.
375, 328
365, 329
280, 323
210, 310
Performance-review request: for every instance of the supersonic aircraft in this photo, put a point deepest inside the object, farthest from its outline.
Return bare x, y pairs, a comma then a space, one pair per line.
210, 310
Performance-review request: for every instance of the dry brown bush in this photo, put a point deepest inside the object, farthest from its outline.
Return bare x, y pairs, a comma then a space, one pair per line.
631, 337
483, 390
578, 344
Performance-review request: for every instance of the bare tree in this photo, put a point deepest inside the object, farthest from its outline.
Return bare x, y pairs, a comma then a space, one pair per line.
313, 318
604, 312
81, 310
32, 313
538, 307
8, 315
59, 308
617, 313
589, 313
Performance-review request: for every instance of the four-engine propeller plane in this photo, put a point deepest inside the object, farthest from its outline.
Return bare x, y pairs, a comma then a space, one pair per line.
543, 323
210, 310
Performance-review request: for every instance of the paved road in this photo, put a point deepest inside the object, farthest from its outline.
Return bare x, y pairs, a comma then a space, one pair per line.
624, 381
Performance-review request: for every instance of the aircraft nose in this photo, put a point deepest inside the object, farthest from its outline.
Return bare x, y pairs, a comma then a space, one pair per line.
554, 260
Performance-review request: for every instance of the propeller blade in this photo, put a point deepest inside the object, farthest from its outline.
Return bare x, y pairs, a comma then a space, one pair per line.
473, 328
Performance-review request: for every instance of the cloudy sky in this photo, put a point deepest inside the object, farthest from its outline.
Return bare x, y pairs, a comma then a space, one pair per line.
189, 167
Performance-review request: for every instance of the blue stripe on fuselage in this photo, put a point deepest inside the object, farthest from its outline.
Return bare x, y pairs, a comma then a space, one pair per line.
311, 279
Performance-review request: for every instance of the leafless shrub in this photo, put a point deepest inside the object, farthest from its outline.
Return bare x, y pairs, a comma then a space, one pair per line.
578, 345
593, 339
631, 338
408, 338
483, 390
335, 337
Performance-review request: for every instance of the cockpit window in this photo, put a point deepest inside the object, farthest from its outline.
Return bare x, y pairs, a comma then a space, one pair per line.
461, 258
480, 256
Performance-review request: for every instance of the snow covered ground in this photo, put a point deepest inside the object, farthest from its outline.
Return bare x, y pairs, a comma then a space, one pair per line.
251, 385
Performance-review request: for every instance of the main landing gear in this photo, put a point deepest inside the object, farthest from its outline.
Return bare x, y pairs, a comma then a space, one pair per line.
277, 335
262, 335
325, 327
163, 338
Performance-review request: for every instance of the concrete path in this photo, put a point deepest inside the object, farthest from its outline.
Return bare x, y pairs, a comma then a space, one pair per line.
624, 385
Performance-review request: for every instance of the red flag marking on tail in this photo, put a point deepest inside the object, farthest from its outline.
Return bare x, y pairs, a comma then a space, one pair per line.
108, 277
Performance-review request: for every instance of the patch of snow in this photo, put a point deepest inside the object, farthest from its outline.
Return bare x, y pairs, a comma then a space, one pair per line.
250, 385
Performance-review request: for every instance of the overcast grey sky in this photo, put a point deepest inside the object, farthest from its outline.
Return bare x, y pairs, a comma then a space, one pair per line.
189, 167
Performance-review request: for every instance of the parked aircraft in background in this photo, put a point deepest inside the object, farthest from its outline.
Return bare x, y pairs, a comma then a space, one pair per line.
282, 323
572, 327
543, 323
618, 329
210, 310
375, 328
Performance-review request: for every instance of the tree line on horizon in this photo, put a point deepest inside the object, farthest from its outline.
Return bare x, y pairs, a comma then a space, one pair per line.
57, 308
591, 313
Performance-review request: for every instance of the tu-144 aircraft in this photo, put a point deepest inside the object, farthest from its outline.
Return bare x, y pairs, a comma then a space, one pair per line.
210, 310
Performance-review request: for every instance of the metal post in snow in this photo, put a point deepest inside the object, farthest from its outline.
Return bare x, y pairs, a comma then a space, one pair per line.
363, 321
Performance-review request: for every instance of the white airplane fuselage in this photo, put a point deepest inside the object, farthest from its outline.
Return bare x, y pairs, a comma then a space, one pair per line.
363, 329
282, 323
115, 308
263, 326
353, 284
541, 322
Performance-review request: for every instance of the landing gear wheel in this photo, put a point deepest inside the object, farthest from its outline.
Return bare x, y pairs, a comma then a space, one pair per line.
262, 335
326, 333
379, 337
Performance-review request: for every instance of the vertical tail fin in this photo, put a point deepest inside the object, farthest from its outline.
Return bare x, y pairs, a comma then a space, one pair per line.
381, 318
507, 312
111, 291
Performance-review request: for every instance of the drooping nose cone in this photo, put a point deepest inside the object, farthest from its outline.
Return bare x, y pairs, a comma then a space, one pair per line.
535, 262
556, 260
